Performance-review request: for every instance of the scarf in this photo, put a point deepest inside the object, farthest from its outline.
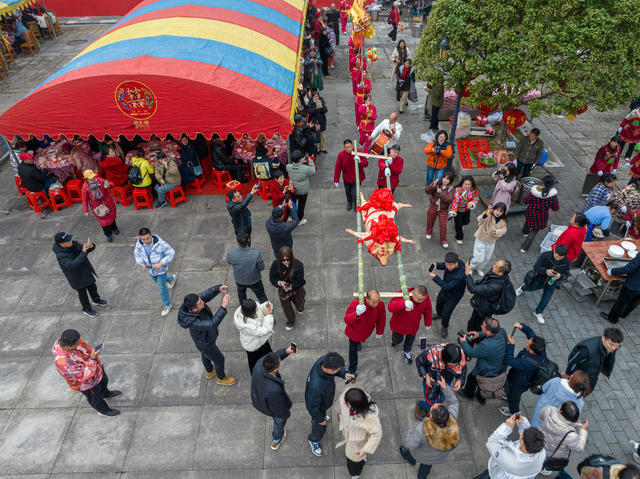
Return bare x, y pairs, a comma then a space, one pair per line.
405, 72
611, 155
95, 191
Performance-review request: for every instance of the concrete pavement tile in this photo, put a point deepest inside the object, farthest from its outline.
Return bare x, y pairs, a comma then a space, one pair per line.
296, 452
12, 228
340, 249
175, 379
14, 375
32, 439
26, 476
342, 280
373, 470
156, 434
309, 330
217, 448
83, 452
173, 224
47, 294
13, 288
5, 414
29, 333
46, 388
133, 332
114, 258
84, 475
235, 365
225, 473
174, 338
113, 288
158, 475
14, 259
298, 472
214, 225
200, 256
310, 247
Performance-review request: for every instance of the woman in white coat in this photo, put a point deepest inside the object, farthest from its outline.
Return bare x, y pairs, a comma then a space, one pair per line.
562, 431
254, 322
360, 427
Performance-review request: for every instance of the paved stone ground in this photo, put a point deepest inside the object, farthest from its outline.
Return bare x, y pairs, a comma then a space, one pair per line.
175, 424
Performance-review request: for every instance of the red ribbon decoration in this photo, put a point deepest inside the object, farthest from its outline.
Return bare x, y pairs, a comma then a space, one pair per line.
380, 199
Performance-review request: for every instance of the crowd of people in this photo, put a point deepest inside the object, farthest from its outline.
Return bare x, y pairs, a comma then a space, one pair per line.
445, 369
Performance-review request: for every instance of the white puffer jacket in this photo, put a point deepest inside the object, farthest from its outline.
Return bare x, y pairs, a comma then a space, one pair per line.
254, 332
555, 426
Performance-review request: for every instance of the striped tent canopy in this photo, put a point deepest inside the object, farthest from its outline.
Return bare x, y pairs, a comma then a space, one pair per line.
173, 67
9, 7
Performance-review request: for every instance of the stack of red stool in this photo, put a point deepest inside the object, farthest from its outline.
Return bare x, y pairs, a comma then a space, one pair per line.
176, 196
142, 197
59, 198
74, 190
38, 201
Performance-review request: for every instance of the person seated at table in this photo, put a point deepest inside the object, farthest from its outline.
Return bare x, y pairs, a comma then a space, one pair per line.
103, 146
222, 161
190, 161
19, 147
167, 176
18, 30
146, 170
32, 178
278, 188
38, 145
599, 216
41, 20
113, 168
82, 160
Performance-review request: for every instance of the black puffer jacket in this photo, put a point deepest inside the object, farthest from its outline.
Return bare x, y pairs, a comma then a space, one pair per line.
297, 275
320, 390
75, 265
240, 215
203, 325
591, 357
486, 291
267, 392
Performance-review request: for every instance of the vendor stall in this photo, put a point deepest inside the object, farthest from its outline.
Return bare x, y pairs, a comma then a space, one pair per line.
173, 67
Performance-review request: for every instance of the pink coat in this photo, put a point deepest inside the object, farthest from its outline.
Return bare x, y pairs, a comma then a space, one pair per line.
87, 201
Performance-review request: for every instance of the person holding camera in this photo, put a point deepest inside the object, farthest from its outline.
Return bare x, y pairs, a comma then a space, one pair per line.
440, 197
346, 166
438, 153
254, 323
405, 318
522, 459
487, 292
287, 274
523, 367
489, 348
280, 229
431, 440
492, 224
506, 183
452, 287
268, 394
299, 173
551, 269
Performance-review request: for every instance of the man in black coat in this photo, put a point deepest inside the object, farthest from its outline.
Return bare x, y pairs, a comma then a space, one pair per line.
268, 395
452, 286
280, 229
222, 162
319, 394
487, 291
238, 209
73, 260
595, 355
196, 316
550, 270
32, 178
629, 296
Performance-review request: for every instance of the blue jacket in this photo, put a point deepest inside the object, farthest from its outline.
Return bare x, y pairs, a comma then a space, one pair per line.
555, 392
203, 325
490, 353
632, 270
522, 371
452, 282
599, 215
161, 252
267, 392
320, 391
280, 231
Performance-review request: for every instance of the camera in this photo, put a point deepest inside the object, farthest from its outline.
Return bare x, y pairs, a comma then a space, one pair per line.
439, 183
502, 171
467, 336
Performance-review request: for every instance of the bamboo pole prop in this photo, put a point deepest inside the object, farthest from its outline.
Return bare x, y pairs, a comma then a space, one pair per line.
359, 229
401, 275
385, 294
371, 155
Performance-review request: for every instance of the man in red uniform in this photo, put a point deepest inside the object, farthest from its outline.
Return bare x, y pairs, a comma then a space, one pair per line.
345, 164
361, 319
368, 116
391, 167
405, 318
363, 88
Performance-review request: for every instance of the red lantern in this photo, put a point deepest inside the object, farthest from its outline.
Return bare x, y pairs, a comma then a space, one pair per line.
486, 109
514, 118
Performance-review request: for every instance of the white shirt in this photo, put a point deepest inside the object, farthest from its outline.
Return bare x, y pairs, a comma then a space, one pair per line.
507, 461
384, 125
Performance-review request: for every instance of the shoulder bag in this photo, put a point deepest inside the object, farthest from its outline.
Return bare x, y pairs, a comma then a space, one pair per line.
557, 463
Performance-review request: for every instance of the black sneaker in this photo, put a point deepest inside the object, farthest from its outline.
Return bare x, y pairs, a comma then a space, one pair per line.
406, 455
113, 394
349, 206
606, 316
101, 302
110, 239
116, 231
110, 413
90, 312
444, 333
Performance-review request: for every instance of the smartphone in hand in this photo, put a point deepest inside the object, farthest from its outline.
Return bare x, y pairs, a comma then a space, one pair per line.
431, 268
99, 347
513, 331
294, 347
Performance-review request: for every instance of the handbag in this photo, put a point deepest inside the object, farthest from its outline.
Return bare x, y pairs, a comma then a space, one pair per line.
557, 463
101, 210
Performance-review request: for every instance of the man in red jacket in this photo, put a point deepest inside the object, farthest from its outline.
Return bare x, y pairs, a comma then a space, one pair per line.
405, 318
391, 167
361, 319
345, 165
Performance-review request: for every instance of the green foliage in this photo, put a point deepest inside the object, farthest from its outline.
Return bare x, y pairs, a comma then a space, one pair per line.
575, 52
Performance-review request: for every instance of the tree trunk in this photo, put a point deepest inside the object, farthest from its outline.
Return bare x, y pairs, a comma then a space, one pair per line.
501, 136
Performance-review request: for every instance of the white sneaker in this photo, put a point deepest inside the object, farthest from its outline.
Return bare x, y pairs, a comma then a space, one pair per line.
522, 251
303, 221
519, 291
459, 241
480, 273
427, 236
171, 284
166, 310
539, 317
445, 245
544, 472
636, 450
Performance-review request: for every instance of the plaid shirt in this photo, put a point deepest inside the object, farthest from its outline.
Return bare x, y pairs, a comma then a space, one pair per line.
598, 196
537, 212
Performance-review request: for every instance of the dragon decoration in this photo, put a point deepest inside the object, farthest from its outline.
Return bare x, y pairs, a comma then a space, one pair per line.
362, 26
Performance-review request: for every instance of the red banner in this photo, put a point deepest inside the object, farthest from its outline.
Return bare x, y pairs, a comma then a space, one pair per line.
82, 8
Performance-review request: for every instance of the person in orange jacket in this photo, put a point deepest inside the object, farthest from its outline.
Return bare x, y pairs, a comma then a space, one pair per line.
405, 318
438, 152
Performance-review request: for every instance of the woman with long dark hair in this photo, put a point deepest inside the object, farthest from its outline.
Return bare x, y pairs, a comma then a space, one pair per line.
254, 322
506, 182
360, 427
287, 274
440, 196
539, 201
398, 57
465, 198
492, 224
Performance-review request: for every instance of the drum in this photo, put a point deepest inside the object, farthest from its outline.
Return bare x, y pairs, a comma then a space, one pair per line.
381, 141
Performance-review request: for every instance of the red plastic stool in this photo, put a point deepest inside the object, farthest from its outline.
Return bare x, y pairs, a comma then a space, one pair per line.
37, 201
142, 197
59, 198
176, 196
220, 178
198, 182
231, 185
20, 185
122, 194
74, 190
264, 191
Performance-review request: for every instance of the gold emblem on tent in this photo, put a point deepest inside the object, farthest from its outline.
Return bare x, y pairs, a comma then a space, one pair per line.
137, 101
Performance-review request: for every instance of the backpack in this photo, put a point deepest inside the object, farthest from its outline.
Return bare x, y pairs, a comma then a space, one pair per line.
135, 175
390, 18
600, 461
507, 300
546, 369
